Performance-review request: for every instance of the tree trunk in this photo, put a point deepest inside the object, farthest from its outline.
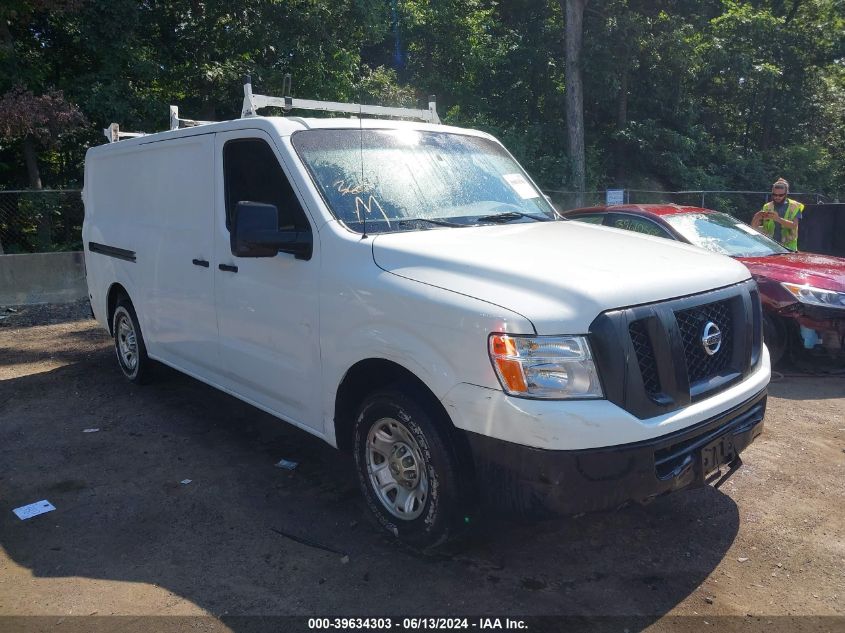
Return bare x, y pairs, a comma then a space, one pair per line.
574, 11
621, 124
31, 163
43, 210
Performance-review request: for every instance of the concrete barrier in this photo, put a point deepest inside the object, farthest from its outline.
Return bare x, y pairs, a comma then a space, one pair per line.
42, 278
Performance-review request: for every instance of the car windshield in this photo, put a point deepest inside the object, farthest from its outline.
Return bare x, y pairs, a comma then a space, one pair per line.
401, 180
724, 234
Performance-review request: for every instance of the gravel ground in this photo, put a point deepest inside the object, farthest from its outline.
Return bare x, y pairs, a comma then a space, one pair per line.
43, 314
129, 538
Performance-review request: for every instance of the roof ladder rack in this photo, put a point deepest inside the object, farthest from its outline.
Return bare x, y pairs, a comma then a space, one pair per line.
176, 123
254, 102
113, 133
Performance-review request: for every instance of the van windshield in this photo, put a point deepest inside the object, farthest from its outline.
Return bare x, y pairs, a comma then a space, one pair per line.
401, 180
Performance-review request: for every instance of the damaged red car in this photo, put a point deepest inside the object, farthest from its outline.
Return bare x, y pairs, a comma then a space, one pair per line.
803, 294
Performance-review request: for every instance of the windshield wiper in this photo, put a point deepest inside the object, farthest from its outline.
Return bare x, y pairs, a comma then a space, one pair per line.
508, 216
428, 220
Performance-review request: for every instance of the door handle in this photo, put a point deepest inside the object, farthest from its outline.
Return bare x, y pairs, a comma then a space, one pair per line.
228, 268
200, 262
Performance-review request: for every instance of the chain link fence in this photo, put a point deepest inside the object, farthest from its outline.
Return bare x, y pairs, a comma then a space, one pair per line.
51, 220
40, 221
740, 204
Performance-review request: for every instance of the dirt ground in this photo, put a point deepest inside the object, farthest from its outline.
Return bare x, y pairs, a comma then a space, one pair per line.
130, 537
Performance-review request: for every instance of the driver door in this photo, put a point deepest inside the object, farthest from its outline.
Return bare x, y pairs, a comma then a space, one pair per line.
267, 307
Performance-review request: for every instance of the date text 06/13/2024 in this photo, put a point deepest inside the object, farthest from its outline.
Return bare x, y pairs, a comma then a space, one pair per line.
415, 624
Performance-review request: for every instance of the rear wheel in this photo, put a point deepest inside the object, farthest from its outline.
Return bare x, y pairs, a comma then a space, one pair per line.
408, 471
129, 343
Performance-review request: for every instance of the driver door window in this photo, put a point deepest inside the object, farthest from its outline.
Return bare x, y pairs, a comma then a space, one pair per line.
252, 173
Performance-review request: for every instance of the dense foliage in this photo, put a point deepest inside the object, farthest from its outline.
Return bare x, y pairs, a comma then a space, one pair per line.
682, 94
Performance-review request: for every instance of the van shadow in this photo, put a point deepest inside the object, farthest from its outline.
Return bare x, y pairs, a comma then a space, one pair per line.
223, 541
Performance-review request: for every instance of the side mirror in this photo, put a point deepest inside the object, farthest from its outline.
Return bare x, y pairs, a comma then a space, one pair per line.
255, 233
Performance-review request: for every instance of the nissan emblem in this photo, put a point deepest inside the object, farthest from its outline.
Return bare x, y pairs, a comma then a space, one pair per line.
711, 338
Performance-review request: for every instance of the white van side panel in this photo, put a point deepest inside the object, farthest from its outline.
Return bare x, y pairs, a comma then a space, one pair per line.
107, 185
156, 200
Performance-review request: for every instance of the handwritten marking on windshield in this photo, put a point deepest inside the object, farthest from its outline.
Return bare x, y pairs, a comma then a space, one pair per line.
344, 189
368, 206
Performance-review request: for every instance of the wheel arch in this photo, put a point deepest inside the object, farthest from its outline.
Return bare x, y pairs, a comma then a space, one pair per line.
116, 290
372, 374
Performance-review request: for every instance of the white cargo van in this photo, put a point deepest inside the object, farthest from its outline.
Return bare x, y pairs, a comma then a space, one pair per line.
404, 291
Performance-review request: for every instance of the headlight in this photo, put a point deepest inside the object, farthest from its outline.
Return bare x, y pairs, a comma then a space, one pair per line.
816, 296
549, 367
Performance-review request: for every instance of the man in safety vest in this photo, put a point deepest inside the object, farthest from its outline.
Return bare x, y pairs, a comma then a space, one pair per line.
779, 218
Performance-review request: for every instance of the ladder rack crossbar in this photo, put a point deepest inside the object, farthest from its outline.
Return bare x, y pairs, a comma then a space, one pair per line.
263, 101
254, 102
177, 124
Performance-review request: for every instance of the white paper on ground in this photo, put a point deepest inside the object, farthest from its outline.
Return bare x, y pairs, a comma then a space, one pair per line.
33, 509
185, 482
90, 430
286, 464
522, 187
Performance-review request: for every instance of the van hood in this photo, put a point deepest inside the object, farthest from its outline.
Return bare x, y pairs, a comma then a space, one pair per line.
559, 275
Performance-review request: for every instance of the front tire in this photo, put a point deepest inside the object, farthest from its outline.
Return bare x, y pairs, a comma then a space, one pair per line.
129, 343
408, 471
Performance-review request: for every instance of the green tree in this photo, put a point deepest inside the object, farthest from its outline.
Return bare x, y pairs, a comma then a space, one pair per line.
677, 94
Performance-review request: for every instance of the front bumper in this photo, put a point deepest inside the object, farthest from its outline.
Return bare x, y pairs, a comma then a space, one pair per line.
534, 481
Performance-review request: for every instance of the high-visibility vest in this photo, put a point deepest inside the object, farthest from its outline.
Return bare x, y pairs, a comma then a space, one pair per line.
788, 237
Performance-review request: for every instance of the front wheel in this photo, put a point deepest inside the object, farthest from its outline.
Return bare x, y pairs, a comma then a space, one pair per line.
408, 471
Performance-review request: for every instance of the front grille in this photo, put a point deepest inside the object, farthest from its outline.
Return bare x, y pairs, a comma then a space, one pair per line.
691, 323
652, 359
645, 358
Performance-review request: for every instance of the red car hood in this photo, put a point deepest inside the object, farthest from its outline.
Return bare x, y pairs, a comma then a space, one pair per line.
819, 271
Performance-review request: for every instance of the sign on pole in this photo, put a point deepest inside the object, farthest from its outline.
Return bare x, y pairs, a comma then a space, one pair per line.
615, 196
